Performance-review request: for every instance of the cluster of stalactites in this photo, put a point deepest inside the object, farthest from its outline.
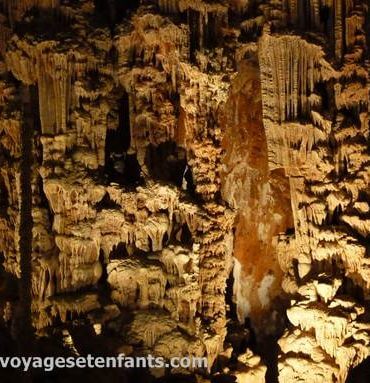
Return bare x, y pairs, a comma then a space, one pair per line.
327, 336
53, 73
290, 69
330, 17
169, 6
17, 8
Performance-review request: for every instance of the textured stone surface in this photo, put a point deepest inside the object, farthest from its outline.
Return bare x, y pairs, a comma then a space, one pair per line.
187, 164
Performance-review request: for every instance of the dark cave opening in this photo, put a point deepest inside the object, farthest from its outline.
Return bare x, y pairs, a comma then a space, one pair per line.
112, 56
118, 140
253, 32
328, 266
181, 234
107, 203
181, 17
112, 12
121, 166
344, 167
43, 201
150, 244
46, 23
239, 335
325, 17
186, 237
323, 90
167, 162
24, 330
290, 231
119, 252
250, 35
102, 260
8, 285
269, 352
102, 11
304, 14
102, 283
334, 268
211, 36
364, 196
360, 374
189, 184
165, 240
132, 171
223, 378
350, 288
295, 269
193, 22
4, 196
176, 102
266, 344
229, 296
333, 218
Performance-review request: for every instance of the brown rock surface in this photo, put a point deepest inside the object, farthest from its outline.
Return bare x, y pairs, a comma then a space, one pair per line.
170, 168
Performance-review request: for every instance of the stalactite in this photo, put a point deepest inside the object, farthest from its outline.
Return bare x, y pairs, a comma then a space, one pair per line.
169, 6
16, 9
291, 68
338, 28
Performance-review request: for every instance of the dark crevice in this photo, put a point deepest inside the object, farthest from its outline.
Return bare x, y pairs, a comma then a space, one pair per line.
295, 270
333, 218
189, 184
167, 162
102, 285
150, 244
102, 260
44, 202
23, 329
119, 252
304, 15
251, 34
360, 374
326, 97
186, 237
112, 12
165, 240
211, 35
181, 235
241, 337
229, 297
193, 22
350, 288
290, 231
121, 166
44, 23
325, 18
4, 197
107, 203
118, 140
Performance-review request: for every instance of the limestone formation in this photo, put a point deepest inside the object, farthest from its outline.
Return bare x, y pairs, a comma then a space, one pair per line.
188, 178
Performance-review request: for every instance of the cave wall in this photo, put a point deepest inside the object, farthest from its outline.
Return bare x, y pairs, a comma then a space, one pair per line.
172, 143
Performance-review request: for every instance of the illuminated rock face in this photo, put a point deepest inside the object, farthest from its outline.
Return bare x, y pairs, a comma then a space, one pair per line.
153, 151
